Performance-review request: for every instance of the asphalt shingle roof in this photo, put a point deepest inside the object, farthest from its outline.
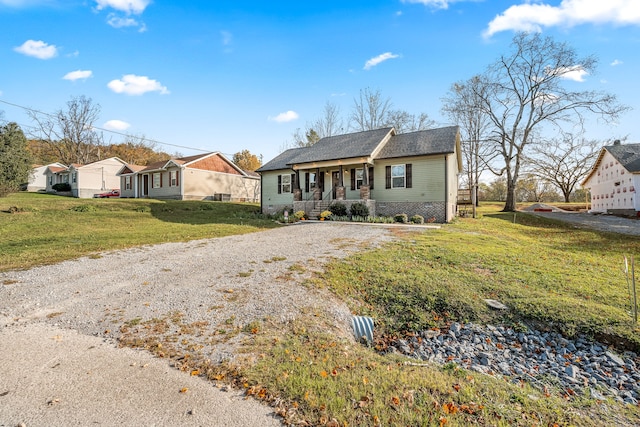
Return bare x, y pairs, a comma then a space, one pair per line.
364, 144
282, 160
346, 146
627, 154
424, 142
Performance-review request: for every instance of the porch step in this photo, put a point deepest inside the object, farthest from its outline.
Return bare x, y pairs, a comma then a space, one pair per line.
315, 212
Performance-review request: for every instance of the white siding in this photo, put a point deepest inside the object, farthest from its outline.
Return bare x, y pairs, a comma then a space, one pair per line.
612, 186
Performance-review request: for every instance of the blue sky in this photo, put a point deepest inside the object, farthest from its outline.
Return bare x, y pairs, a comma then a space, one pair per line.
232, 75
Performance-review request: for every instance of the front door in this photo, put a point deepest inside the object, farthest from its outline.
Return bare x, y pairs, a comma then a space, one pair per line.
335, 182
145, 185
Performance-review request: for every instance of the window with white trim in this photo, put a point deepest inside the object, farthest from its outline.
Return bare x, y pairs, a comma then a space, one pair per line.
157, 180
398, 176
285, 183
127, 183
359, 178
173, 178
74, 177
312, 181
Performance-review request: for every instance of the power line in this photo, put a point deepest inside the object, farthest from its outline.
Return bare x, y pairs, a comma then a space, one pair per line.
109, 130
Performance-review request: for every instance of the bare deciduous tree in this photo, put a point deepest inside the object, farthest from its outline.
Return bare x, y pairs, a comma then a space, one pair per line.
462, 106
522, 93
404, 122
565, 162
370, 111
330, 123
71, 133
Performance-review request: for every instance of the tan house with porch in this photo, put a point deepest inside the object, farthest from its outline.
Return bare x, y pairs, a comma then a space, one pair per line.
209, 176
413, 173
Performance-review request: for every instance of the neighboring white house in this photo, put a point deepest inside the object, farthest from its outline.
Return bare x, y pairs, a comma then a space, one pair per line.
614, 180
87, 180
38, 178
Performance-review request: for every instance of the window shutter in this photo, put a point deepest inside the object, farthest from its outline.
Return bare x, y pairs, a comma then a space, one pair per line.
279, 184
306, 182
387, 177
353, 179
408, 172
371, 178
320, 181
293, 182
160, 179
177, 178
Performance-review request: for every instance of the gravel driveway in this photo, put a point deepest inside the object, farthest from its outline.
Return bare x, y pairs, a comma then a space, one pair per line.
59, 324
608, 223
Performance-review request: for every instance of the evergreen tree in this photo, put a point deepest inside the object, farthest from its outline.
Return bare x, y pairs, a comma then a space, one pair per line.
15, 160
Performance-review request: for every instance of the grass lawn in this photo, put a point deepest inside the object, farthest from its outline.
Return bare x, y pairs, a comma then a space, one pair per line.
549, 274
44, 228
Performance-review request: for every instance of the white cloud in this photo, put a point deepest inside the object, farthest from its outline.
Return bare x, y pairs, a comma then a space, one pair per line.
575, 73
130, 84
120, 22
437, 4
535, 16
378, 59
288, 116
78, 75
117, 125
37, 49
129, 7
616, 62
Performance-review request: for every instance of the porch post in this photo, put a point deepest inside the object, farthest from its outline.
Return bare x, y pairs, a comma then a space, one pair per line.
317, 192
297, 192
365, 192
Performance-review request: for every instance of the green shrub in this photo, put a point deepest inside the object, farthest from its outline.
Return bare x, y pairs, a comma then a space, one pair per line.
338, 209
417, 219
62, 186
402, 218
84, 208
359, 209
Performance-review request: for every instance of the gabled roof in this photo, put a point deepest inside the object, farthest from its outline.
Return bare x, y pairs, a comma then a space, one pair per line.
424, 142
78, 166
282, 160
129, 169
57, 169
183, 162
377, 144
351, 145
628, 155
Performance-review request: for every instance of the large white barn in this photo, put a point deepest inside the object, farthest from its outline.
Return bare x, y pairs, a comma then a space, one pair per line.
614, 180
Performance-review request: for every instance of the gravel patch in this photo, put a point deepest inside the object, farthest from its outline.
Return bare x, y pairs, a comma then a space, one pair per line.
206, 286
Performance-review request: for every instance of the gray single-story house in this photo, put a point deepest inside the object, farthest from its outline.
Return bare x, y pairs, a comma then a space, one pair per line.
414, 173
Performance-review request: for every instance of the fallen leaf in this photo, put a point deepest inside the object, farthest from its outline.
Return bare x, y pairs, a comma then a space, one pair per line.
184, 390
324, 374
395, 400
456, 387
450, 408
195, 372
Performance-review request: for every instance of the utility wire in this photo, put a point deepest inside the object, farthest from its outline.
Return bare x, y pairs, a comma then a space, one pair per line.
110, 131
